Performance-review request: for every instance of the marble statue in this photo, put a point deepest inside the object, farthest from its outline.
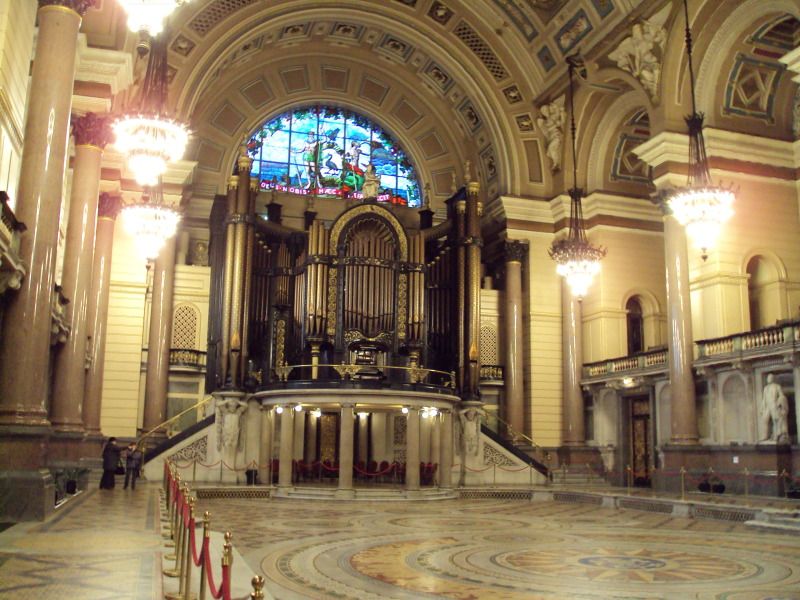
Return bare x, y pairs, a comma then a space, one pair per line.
229, 416
371, 183
774, 412
470, 419
551, 122
640, 54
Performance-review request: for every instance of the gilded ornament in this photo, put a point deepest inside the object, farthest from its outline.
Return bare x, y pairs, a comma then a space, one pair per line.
91, 130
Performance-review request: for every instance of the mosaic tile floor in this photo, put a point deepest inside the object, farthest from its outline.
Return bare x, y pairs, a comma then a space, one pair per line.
512, 550
99, 545
106, 545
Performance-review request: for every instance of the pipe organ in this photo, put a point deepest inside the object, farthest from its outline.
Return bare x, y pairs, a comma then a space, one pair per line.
368, 289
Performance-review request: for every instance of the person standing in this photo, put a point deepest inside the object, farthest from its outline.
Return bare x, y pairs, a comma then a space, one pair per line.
110, 460
133, 462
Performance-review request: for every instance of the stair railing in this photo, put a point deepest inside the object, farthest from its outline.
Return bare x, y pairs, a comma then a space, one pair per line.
141, 442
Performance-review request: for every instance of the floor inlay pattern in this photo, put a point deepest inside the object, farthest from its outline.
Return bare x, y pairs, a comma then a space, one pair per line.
515, 550
99, 545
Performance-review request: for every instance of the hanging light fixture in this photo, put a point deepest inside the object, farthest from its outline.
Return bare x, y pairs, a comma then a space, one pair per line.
146, 134
701, 207
577, 260
150, 222
148, 15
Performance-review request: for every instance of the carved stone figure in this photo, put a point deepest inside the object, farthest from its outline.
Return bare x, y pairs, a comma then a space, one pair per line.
470, 419
371, 183
774, 412
229, 416
641, 53
551, 123
198, 254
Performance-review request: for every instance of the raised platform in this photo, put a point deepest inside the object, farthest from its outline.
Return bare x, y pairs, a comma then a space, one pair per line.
364, 494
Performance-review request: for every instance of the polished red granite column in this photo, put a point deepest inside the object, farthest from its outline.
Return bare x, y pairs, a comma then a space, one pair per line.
92, 133
25, 350
107, 210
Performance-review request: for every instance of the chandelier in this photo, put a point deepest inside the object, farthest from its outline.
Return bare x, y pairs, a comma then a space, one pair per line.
150, 222
700, 206
148, 15
577, 260
146, 135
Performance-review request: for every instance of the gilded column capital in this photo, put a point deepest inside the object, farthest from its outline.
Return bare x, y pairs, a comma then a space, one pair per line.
473, 187
244, 162
254, 184
233, 182
108, 206
461, 207
515, 250
91, 129
79, 6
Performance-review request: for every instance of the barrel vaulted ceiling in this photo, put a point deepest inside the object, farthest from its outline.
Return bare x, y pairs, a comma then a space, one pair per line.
453, 81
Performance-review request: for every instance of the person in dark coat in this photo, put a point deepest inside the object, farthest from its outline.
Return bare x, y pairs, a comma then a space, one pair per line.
110, 460
133, 462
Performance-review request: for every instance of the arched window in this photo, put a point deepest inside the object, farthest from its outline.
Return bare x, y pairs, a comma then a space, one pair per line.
635, 326
325, 151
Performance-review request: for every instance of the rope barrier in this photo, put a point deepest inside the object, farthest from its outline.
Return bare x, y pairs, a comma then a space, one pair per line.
180, 504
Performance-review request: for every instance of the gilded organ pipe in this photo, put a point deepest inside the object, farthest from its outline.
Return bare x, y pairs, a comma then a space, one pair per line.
247, 268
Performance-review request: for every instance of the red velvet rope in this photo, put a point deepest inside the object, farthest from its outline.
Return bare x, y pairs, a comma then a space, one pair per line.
375, 474
212, 588
196, 558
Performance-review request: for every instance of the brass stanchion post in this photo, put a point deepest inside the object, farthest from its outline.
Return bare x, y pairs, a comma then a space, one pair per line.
194, 469
178, 540
683, 484
746, 487
206, 536
588, 474
258, 588
189, 560
629, 471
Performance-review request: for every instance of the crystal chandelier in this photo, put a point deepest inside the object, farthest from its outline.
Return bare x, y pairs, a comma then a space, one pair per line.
577, 260
150, 222
148, 15
700, 206
146, 135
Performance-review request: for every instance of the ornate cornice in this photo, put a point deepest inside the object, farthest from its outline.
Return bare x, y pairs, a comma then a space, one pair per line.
79, 6
515, 250
108, 206
92, 129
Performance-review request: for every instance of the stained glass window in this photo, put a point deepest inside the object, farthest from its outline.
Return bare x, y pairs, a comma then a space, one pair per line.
326, 151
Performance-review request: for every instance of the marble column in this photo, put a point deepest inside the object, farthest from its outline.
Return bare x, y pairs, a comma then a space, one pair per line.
679, 326
107, 210
436, 440
514, 413
412, 449
298, 447
346, 429
265, 446
363, 437
159, 338
446, 461
287, 447
571, 339
25, 351
92, 133
252, 440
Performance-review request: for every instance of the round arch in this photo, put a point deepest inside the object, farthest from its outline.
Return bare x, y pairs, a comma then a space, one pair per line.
473, 89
